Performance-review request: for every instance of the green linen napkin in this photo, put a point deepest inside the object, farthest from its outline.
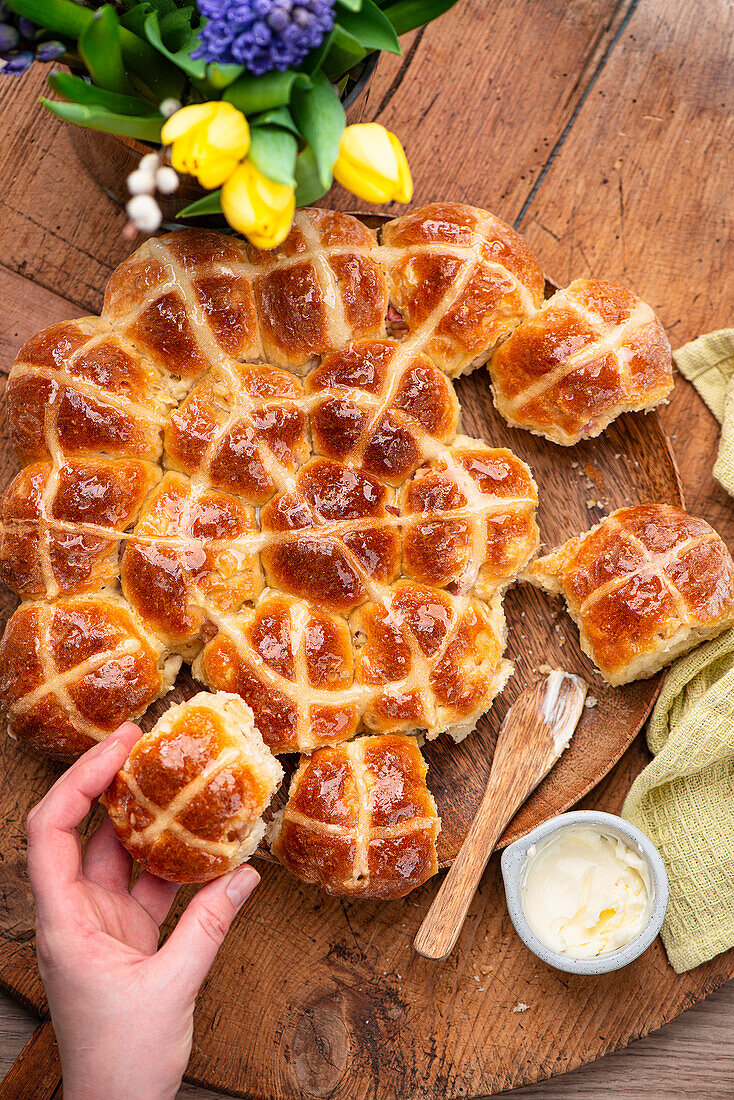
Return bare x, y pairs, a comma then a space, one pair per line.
684, 799
708, 363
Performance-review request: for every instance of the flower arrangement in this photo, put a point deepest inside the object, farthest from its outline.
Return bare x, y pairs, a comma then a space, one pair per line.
244, 95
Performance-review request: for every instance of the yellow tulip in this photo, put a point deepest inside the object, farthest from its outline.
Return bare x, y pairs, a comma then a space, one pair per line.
372, 164
208, 140
257, 207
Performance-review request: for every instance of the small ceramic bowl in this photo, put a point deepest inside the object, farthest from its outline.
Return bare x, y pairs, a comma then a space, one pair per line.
513, 859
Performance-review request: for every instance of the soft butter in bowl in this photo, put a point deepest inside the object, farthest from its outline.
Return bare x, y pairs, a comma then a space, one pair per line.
586, 891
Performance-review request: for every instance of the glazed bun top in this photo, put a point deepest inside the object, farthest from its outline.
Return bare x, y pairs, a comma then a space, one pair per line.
188, 802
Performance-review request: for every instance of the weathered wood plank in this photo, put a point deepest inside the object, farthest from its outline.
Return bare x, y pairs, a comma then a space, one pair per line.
27, 308
487, 91
640, 190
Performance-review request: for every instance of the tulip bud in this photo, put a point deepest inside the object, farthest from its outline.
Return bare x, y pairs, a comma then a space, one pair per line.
257, 207
208, 140
372, 164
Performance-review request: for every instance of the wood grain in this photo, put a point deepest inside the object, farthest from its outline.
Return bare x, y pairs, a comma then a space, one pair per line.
37, 1070
605, 130
689, 1056
536, 729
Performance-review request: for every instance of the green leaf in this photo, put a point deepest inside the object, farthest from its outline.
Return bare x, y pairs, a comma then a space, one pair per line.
371, 28
309, 188
69, 19
209, 204
221, 76
176, 28
259, 93
344, 53
406, 15
273, 151
319, 116
134, 20
76, 90
63, 17
163, 7
279, 116
350, 5
180, 57
99, 46
97, 118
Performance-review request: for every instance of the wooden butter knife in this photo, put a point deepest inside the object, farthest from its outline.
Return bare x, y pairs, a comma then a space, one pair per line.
536, 730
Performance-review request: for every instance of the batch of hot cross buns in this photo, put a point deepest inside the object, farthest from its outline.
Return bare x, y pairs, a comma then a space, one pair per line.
250, 462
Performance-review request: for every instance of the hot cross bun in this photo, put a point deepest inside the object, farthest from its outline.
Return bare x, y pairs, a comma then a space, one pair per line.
332, 539
242, 429
381, 407
593, 351
323, 286
429, 660
186, 300
188, 802
460, 280
80, 388
61, 525
192, 556
645, 585
293, 664
360, 820
74, 670
468, 519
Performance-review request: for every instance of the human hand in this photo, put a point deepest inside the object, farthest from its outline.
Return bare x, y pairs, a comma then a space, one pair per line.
122, 1009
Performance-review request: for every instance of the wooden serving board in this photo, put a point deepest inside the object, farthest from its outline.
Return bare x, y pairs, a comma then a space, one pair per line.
602, 130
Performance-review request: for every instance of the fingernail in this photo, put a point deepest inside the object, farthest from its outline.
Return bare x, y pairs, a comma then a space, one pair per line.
241, 885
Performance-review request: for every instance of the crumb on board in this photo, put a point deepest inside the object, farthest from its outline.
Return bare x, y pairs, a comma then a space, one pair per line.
590, 701
595, 475
521, 1007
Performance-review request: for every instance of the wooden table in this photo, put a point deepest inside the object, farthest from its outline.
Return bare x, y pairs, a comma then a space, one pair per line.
603, 130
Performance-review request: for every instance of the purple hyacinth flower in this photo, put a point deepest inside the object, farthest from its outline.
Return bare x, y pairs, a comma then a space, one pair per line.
263, 35
18, 64
50, 51
8, 38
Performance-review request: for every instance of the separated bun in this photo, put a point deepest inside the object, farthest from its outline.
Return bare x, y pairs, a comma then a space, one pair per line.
188, 802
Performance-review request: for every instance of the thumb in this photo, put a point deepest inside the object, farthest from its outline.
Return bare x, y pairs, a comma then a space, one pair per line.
192, 947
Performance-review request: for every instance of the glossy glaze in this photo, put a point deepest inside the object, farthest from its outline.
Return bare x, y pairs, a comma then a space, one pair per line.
327, 489
360, 820
464, 274
645, 579
73, 671
593, 351
286, 659
190, 795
